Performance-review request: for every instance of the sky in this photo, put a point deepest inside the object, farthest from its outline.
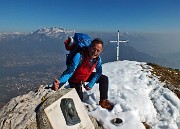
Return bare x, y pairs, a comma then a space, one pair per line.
91, 15
138, 96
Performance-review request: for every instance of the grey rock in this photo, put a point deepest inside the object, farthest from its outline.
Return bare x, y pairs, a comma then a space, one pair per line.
27, 111
19, 112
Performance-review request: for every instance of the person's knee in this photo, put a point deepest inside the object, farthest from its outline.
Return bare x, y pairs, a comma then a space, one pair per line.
105, 78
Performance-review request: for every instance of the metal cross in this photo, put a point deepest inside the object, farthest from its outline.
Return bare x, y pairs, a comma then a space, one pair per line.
119, 41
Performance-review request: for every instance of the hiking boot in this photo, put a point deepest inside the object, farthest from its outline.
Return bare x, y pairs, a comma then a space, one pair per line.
106, 104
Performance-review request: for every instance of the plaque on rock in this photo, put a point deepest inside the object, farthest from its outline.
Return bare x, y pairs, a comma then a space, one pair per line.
68, 112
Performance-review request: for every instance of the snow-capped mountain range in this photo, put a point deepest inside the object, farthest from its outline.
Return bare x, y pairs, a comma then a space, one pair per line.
10, 36
51, 32
54, 32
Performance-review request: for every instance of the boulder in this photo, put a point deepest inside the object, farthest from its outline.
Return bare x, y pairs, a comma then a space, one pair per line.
27, 111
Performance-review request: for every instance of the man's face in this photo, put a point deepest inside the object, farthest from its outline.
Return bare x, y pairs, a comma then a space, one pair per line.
95, 50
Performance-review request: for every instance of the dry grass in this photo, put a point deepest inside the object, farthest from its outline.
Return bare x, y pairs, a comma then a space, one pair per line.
168, 75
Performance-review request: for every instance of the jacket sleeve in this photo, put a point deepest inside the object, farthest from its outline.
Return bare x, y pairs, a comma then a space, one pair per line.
97, 74
70, 69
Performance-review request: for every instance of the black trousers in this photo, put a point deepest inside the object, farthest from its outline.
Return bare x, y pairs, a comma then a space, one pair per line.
103, 86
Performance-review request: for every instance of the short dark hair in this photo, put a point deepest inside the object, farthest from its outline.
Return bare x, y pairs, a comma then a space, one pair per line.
97, 40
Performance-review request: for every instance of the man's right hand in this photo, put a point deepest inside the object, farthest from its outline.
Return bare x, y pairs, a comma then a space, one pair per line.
56, 84
87, 87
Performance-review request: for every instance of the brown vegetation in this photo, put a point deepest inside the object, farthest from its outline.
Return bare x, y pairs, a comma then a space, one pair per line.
168, 75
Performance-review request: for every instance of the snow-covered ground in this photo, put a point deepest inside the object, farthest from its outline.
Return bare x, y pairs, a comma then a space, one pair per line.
138, 97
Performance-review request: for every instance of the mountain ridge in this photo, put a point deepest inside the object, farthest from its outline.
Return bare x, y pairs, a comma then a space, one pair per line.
52, 32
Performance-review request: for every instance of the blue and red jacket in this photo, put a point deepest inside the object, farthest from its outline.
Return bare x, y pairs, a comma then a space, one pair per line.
75, 73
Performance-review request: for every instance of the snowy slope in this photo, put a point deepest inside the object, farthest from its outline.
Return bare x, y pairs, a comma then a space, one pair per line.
138, 97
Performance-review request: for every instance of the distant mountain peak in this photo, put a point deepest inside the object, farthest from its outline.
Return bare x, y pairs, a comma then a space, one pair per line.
53, 31
50, 29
